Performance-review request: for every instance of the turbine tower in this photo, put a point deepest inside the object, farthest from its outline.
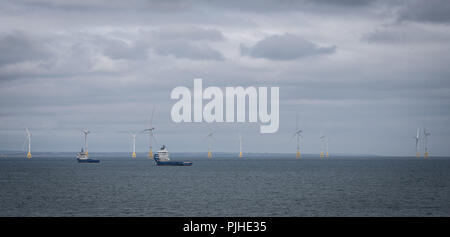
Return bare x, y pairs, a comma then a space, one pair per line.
425, 137
29, 143
297, 134
417, 142
150, 135
85, 132
327, 140
133, 136
322, 140
210, 138
240, 145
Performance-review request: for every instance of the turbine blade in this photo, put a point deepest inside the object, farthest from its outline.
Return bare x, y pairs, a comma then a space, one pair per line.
151, 118
154, 138
24, 143
208, 136
292, 137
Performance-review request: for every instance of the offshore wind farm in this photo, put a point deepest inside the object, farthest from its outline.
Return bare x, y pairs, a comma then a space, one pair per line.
209, 138
206, 108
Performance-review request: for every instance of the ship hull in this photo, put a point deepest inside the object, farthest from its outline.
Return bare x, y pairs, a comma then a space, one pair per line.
166, 162
174, 163
87, 160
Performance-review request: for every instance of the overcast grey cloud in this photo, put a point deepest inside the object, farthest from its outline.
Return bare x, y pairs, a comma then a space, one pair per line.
425, 11
17, 47
355, 70
186, 50
117, 49
186, 42
347, 3
407, 34
188, 33
285, 47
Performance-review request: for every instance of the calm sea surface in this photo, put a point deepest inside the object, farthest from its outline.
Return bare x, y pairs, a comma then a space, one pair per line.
118, 186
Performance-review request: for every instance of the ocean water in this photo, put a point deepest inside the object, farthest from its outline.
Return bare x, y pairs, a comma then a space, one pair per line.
270, 186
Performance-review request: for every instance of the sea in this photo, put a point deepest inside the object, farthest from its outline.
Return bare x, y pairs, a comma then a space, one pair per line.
275, 185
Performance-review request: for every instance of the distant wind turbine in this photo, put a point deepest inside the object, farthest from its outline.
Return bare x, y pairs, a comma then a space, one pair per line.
417, 138
240, 144
85, 132
297, 134
322, 144
133, 137
425, 137
151, 137
29, 143
210, 138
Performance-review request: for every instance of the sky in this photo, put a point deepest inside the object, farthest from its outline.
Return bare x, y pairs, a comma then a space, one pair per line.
366, 73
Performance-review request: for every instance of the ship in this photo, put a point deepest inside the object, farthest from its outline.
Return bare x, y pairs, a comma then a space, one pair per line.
83, 157
162, 159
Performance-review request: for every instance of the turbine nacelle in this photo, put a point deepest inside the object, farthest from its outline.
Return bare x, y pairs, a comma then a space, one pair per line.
298, 133
28, 132
148, 130
133, 135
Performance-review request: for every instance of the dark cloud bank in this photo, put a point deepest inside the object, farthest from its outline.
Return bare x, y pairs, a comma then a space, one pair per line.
285, 47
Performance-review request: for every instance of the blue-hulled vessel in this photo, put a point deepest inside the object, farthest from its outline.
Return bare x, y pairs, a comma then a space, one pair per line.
162, 159
83, 157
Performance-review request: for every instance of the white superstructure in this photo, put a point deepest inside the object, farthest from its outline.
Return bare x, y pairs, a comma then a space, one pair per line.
163, 154
82, 155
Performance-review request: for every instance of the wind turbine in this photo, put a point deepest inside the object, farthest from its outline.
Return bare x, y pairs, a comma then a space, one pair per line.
133, 136
417, 142
85, 132
29, 143
322, 140
425, 137
297, 134
240, 145
151, 135
210, 138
